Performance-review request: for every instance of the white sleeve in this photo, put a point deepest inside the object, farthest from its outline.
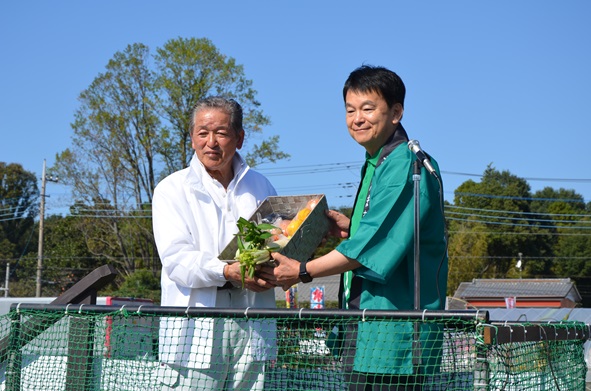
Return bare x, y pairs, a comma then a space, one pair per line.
182, 259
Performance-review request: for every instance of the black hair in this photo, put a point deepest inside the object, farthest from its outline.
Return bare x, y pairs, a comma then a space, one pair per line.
368, 78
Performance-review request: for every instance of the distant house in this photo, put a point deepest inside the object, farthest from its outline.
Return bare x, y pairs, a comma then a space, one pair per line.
513, 293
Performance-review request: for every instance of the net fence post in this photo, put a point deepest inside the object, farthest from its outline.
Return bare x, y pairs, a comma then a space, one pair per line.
13, 370
79, 368
481, 364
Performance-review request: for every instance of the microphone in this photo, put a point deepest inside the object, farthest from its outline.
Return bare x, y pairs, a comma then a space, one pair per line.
414, 146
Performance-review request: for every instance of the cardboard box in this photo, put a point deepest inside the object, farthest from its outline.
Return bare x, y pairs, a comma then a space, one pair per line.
306, 239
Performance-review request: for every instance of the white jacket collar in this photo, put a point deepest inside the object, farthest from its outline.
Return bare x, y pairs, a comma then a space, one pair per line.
196, 172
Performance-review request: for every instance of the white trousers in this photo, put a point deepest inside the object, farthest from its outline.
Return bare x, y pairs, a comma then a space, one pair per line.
232, 367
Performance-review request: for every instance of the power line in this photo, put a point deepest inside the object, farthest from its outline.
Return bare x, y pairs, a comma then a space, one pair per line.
452, 210
519, 198
462, 194
310, 169
532, 221
515, 224
329, 167
519, 233
518, 212
513, 257
574, 180
484, 216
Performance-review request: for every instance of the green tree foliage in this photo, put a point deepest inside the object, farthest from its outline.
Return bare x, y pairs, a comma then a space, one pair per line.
141, 284
492, 221
501, 201
19, 205
570, 221
23, 275
189, 69
66, 255
468, 254
132, 129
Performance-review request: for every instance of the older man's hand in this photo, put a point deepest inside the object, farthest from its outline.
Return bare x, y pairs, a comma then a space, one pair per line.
255, 284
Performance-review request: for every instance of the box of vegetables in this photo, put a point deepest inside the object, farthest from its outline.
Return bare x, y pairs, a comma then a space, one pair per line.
291, 225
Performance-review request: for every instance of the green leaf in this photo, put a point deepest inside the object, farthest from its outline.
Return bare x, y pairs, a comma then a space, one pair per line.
251, 238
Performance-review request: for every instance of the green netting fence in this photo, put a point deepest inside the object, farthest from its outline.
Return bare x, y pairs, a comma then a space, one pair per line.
84, 347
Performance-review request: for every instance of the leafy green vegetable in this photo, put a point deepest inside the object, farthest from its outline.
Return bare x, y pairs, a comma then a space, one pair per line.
251, 235
252, 249
249, 258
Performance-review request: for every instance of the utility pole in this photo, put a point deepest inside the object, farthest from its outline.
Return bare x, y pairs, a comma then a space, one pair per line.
41, 218
6, 279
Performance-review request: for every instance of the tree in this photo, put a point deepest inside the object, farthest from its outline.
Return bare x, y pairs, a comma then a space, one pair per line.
468, 255
189, 69
500, 202
142, 284
19, 204
569, 219
131, 129
67, 258
562, 212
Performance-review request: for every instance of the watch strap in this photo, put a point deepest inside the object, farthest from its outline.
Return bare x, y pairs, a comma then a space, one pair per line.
304, 276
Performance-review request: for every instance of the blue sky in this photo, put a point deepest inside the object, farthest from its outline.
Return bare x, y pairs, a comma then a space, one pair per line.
506, 83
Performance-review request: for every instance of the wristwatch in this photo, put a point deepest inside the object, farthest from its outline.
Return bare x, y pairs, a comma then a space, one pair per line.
304, 276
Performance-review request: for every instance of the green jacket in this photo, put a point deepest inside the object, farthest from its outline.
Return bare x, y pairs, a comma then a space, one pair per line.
384, 245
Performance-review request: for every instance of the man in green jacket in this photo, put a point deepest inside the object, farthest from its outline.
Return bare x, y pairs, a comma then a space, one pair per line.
377, 256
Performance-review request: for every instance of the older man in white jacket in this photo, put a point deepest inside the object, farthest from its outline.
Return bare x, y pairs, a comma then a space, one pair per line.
195, 211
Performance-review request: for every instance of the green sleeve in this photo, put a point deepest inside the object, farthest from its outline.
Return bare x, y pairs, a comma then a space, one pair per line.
385, 235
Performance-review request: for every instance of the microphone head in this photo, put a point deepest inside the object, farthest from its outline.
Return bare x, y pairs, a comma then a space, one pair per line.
413, 144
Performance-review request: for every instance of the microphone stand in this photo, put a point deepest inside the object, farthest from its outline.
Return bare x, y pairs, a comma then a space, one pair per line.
416, 177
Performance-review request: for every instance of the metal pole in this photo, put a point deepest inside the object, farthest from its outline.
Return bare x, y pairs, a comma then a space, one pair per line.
40, 248
417, 354
6, 279
44, 180
416, 177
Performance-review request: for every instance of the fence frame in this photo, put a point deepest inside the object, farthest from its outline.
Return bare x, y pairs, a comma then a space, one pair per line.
84, 292
477, 321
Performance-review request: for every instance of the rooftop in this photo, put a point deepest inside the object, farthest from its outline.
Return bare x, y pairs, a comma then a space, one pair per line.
521, 288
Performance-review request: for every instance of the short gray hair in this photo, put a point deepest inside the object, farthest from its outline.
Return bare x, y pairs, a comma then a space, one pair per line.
228, 105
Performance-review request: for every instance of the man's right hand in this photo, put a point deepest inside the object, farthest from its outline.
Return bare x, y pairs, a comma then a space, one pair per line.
285, 273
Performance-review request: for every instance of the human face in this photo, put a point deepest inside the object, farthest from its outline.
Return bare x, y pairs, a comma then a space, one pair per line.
369, 120
215, 142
